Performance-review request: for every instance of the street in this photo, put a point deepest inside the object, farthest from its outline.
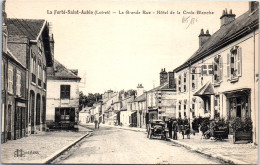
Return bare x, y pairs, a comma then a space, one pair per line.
113, 145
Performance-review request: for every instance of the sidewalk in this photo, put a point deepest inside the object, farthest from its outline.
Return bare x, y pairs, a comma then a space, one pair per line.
39, 148
223, 150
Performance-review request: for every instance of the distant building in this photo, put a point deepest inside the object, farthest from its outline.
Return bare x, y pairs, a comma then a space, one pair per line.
62, 97
84, 115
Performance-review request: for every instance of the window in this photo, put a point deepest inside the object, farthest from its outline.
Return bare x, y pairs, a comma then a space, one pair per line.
18, 83
65, 91
234, 63
10, 79
184, 82
3, 117
179, 83
218, 69
193, 78
2, 76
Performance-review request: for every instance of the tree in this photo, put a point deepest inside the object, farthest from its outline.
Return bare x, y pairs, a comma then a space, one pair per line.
88, 100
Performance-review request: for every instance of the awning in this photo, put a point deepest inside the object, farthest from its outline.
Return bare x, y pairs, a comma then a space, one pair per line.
207, 89
238, 92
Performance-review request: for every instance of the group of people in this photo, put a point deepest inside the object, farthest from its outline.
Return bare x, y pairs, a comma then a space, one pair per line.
173, 128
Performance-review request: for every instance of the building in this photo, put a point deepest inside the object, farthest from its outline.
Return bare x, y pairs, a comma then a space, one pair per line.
30, 43
161, 100
62, 96
14, 87
84, 115
220, 79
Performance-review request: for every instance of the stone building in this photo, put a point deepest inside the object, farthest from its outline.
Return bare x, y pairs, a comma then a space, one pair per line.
62, 96
14, 88
30, 43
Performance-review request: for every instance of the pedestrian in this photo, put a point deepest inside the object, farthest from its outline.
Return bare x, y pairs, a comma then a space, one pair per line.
175, 128
170, 128
96, 123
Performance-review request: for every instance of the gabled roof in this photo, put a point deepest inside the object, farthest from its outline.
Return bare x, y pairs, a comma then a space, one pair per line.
25, 27
227, 34
163, 86
141, 98
61, 72
10, 55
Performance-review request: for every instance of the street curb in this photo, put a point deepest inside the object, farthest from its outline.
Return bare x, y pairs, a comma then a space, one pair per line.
213, 155
49, 159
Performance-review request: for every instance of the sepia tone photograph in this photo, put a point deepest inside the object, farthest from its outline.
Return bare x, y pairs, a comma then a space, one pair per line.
128, 82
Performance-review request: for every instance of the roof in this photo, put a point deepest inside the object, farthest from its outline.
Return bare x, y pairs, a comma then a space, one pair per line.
60, 71
124, 107
227, 34
10, 55
141, 98
207, 89
163, 86
25, 27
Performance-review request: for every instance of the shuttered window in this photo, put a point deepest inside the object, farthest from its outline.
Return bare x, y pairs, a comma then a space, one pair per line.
218, 69
2, 77
234, 63
65, 91
18, 83
10, 79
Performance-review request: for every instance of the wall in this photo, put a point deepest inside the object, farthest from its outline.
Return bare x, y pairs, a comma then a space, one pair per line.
53, 96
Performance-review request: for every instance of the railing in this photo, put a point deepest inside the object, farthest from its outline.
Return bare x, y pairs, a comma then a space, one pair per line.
33, 78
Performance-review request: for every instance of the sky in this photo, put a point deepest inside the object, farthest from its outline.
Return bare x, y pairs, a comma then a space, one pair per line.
119, 51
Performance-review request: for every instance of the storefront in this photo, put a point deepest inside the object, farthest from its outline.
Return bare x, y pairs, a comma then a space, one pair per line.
20, 117
238, 104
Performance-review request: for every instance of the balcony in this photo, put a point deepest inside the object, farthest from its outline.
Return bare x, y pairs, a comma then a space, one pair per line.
39, 82
33, 78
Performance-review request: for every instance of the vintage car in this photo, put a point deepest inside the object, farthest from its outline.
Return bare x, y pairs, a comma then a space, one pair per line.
157, 128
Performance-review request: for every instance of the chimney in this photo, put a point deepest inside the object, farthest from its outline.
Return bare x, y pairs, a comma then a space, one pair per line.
171, 82
74, 71
140, 90
163, 76
253, 5
226, 17
203, 37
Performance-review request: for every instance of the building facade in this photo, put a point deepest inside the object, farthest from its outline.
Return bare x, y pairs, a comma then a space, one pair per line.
14, 91
30, 43
220, 80
62, 97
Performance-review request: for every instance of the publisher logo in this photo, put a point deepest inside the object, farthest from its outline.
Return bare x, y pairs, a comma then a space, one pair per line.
21, 153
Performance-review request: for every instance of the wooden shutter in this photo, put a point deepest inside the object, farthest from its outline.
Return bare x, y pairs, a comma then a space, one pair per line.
220, 71
239, 61
228, 66
196, 79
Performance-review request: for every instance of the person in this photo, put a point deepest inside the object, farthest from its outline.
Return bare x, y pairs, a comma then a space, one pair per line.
96, 124
170, 128
175, 128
